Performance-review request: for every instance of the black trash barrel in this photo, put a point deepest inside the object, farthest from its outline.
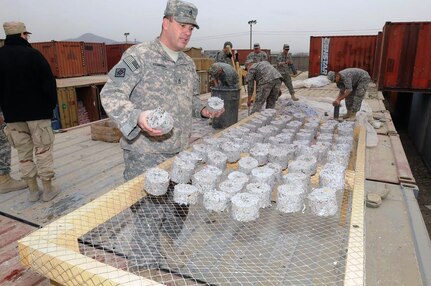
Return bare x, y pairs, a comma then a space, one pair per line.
231, 104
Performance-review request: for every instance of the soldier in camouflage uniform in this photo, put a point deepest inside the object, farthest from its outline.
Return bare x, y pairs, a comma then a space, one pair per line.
353, 84
268, 82
225, 56
7, 183
284, 66
257, 55
151, 75
224, 76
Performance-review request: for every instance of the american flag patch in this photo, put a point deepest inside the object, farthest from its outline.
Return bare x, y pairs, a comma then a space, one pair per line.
131, 63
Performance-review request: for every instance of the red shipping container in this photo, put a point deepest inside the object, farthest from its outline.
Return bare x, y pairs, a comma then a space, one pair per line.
243, 53
405, 63
377, 57
65, 58
114, 53
334, 53
95, 58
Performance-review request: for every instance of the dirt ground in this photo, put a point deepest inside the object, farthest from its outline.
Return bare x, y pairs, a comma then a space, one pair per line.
422, 176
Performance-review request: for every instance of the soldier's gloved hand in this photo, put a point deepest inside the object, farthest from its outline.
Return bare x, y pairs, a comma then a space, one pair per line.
143, 124
336, 102
229, 55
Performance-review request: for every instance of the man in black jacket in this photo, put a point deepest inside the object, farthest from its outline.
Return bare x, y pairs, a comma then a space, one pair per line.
28, 95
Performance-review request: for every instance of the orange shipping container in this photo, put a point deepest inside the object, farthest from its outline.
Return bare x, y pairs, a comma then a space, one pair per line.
65, 58
95, 58
405, 63
334, 53
377, 57
114, 53
243, 53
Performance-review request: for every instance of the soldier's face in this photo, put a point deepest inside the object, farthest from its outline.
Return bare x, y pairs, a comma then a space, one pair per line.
177, 35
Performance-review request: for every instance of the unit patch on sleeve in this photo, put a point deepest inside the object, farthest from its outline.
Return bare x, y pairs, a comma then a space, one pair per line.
120, 72
131, 63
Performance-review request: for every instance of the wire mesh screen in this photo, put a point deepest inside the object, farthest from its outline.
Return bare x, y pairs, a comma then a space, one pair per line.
159, 240
214, 249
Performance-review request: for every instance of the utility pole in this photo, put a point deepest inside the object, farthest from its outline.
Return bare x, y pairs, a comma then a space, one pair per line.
251, 22
126, 34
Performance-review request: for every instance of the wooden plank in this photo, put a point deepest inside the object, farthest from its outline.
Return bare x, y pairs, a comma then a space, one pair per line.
11, 271
402, 164
81, 81
354, 274
52, 261
381, 162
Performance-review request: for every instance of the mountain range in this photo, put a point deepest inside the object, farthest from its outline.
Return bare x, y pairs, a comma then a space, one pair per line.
91, 38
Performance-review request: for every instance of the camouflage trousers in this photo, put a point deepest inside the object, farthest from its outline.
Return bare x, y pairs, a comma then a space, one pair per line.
33, 137
288, 82
266, 93
153, 216
5, 156
354, 100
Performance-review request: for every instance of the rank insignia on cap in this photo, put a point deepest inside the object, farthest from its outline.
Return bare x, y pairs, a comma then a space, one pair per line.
131, 63
120, 72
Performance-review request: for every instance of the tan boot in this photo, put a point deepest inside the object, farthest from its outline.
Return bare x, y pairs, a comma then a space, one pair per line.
9, 184
349, 114
352, 116
294, 98
49, 191
34, 190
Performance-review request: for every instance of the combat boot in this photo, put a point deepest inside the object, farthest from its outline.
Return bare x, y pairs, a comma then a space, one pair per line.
9, 184
348, 114
351, 117
49, 191
34, 190
294, 98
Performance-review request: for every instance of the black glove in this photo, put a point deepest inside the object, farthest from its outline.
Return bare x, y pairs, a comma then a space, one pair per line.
229, 55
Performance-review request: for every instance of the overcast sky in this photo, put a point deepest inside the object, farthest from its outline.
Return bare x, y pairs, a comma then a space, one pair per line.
278, 21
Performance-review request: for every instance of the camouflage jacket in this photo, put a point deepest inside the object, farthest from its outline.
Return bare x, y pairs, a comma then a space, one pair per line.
351, 77
261, 72
259, 57
222, 58
284, 64
228, 77
146, 78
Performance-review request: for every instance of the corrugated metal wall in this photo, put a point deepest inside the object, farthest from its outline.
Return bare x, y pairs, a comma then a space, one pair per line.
95, 58
114, 53
339, 52
243, 53
377, 57
420, 125
65, 58
405, 63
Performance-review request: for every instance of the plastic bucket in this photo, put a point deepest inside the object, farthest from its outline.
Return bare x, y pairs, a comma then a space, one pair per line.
231, 104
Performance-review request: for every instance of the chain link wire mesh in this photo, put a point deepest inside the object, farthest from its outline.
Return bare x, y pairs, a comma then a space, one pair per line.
128, 238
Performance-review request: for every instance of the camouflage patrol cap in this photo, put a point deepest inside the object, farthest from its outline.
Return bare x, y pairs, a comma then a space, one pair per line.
183, 12
331, 76
286, 46
256, 45
214, 70
12, 28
